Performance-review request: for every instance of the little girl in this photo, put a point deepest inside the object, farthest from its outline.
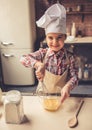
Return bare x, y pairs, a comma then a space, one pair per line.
55, 66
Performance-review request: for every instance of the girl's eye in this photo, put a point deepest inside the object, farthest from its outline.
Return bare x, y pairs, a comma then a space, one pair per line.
51, 38
59, 37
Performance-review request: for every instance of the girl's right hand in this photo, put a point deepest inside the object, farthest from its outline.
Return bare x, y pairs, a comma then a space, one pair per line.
40, 71
65, 93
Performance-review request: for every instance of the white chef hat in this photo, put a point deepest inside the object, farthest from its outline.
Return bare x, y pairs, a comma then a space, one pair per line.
53, 20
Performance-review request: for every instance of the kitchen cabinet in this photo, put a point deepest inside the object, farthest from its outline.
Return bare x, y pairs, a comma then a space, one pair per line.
17, 36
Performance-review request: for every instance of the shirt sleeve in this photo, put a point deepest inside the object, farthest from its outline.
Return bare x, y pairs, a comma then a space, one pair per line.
30, 59
73, 72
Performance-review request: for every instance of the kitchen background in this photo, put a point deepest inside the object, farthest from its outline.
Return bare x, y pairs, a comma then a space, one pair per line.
19, 35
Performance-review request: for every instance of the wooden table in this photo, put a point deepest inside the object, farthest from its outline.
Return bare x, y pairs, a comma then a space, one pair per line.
40, 119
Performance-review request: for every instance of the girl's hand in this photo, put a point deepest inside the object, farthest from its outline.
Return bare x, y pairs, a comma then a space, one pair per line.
25, 60
65, 93
40, 71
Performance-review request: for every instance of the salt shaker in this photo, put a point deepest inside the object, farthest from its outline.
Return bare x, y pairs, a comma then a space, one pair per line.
13, 107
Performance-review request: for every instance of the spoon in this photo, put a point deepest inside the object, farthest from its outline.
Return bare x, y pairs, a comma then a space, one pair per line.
74, 120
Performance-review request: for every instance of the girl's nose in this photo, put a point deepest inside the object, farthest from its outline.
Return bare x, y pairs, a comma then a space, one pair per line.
55, 41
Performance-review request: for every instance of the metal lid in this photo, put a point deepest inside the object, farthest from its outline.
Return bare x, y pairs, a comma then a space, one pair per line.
13, 96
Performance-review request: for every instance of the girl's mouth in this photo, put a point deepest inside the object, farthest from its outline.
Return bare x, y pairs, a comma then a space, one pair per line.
54, 46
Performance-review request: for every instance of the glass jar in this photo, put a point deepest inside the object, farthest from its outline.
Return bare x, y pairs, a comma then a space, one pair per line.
49, 101
13, 107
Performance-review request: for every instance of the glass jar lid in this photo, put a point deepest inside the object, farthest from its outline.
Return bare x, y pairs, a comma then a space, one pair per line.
13, 96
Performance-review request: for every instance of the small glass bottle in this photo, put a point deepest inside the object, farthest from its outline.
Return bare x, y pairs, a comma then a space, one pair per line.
73, 30
86, 72
80, 73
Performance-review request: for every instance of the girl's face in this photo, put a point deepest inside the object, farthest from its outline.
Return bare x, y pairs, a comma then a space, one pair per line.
55, 41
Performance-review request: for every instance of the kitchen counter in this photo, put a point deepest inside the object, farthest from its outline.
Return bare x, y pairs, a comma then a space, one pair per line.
40, 119
70, 39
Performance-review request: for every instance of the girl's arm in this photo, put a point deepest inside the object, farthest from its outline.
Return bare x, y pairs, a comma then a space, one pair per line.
72, 80
31, 59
